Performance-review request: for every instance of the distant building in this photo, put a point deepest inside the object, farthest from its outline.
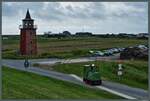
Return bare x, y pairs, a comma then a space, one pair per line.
123, 34
126, 35
83, 34
28, 41
60, 35
143, 35
49, 32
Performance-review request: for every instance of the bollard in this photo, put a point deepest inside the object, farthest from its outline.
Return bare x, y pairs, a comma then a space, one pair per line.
120, 71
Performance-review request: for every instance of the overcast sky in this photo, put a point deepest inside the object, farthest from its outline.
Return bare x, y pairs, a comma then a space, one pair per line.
95, 17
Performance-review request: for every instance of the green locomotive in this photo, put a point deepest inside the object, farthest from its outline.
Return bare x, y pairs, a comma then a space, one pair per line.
91, 75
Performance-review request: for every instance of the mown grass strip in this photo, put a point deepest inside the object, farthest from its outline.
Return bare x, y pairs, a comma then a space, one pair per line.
135, 73
23, 85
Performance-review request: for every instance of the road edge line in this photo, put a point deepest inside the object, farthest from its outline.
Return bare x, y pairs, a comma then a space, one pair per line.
106, 89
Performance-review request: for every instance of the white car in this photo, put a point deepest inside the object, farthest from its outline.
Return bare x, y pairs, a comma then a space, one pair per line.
116, 50
121, 49
99, 53
110, 51
142, 47
91, 51
107, 53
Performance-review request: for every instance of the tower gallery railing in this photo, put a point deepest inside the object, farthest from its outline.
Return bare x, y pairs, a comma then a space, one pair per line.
21, 26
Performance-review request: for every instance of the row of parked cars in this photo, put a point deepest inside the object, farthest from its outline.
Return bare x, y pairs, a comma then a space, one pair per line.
112, 51
107, 52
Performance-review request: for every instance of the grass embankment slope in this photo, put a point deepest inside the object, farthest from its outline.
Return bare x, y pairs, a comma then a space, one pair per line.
68, 47
23, 85
135, 72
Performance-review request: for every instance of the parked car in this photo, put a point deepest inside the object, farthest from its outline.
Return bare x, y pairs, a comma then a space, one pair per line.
120, 49
91, 51
107, 53
114, 50
142, 46
99, 53
110, 51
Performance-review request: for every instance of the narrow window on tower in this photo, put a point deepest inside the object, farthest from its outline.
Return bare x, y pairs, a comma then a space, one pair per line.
30, 25
26, 24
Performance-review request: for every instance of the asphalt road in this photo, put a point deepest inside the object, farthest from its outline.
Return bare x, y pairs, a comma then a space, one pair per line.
18, 64
82, 59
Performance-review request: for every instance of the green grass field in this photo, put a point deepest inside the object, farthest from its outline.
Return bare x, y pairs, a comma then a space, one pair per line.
67, 47
22, 85
135, 71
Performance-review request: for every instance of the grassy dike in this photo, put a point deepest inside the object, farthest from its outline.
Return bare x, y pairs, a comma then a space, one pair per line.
135, 71
67, 47
23, 85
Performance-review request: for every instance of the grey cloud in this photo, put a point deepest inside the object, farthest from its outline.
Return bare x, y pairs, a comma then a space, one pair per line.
138, 4
93, 13
12, 10
52, 12
9, 11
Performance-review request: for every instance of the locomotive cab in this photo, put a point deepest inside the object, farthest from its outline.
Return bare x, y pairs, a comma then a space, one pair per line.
91, 75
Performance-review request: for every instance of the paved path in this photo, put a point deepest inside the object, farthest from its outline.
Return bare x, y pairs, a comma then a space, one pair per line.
83, 59
122, 89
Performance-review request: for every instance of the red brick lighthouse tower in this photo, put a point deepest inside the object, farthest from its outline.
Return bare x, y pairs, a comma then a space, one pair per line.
28, 41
